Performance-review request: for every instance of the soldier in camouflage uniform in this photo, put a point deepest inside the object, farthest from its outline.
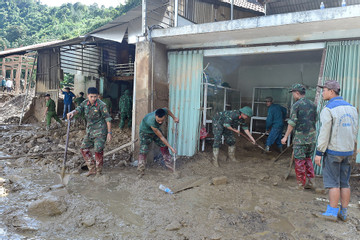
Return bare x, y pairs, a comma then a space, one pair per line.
108, 103
98, 130
50, 112
224, 124
150, 131
78, 101
125, 105
303, 117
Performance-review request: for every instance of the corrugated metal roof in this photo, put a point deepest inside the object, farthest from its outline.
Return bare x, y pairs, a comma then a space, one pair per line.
132, 14
285, 6
26, 49
247, 4
35, 47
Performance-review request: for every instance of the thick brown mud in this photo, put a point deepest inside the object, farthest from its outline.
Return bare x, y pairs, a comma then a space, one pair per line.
255, 203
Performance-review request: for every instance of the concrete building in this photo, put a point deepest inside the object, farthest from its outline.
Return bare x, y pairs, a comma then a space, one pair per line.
296, 43
197, 57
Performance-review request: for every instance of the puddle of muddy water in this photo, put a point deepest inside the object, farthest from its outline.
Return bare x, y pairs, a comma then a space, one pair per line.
117, 201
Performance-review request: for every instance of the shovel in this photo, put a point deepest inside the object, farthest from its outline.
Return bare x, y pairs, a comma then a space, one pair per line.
247, 138
176, 130
65, 177
278, 157
261, 136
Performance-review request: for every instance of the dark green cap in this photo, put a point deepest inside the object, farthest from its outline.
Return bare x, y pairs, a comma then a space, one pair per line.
297, 87
247, 111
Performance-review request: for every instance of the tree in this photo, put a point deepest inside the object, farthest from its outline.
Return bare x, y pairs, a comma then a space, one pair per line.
26, 22
14, 32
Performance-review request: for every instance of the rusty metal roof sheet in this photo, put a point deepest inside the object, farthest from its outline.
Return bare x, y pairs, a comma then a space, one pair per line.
35, 47
286, 6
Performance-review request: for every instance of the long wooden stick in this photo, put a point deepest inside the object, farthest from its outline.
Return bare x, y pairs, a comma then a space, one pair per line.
29, 155
62, 172
69, 149
176, 129
256, 144
105, 154
260, 137
119, 148
277, 158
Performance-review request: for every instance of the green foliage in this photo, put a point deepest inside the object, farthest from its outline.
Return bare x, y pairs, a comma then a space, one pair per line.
68, 80
27, 22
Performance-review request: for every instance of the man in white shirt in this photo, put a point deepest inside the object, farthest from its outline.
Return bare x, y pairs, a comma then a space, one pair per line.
9, 85
336, 143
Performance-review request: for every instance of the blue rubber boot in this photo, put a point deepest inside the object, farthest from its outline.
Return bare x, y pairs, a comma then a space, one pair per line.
342, 215
330, 214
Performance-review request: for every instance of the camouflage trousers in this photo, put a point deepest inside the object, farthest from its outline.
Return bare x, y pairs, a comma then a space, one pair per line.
49, 116
302, 151
219, 130
303, 164
146, 139
123, 117
94, 140
304, 169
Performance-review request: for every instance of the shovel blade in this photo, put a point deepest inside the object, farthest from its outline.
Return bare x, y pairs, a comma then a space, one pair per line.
64, 179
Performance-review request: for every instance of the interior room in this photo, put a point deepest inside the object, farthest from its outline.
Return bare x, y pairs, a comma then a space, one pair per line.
246, 80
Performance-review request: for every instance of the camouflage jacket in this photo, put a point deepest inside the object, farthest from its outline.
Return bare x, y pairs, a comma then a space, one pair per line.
230, 119
79, 100
303, 118
125, 103
96, 115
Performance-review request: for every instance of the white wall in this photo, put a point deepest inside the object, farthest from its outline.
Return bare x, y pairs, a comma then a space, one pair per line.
283, 75
82, 83
244, 75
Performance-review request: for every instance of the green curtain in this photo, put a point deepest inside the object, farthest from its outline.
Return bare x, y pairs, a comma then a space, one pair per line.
342, 63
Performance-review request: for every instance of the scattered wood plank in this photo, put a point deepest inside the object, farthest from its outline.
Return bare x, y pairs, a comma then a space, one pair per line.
190, 184
69, 149
107, 153
119, 148
29, 155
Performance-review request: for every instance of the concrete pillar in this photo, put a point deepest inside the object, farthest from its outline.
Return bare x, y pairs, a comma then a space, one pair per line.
151, 84
79, 83
142, 88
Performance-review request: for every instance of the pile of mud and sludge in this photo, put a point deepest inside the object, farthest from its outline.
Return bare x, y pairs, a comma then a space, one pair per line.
37, 147
12, 106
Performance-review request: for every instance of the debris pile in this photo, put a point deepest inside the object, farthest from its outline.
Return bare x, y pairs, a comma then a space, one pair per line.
11, 106
33, 145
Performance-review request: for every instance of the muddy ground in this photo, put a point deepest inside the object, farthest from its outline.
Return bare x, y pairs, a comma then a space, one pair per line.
256, 202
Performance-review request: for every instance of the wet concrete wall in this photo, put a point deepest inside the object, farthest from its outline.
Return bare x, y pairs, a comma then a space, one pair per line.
152, 88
